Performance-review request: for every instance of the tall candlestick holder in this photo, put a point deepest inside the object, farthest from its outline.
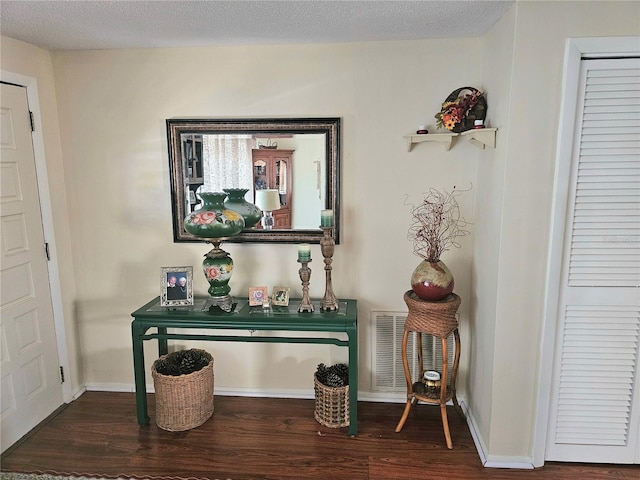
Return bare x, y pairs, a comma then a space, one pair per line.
305, 276
329, 302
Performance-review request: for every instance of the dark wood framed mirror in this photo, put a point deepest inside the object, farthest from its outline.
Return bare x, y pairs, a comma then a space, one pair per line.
299, 157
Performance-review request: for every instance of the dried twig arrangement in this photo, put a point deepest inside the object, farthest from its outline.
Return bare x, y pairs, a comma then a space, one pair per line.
437, 224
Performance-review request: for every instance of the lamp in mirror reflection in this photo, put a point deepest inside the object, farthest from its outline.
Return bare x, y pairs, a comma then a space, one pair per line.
268, 200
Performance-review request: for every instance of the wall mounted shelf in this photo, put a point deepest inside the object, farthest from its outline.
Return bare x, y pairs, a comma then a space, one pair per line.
480, 137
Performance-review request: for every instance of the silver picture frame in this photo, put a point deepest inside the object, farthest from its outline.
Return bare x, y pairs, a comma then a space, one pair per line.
176, 286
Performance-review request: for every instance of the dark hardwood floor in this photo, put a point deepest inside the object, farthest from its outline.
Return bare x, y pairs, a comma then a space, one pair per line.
262, 438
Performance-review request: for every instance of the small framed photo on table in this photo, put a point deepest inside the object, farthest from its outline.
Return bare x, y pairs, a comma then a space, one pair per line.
176, 286
258, 296
280, 296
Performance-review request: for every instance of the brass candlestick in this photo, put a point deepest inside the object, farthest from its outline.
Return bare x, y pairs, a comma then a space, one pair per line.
327, 245
305, 275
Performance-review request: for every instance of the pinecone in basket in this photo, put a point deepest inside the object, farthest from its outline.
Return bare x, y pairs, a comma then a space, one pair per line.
334, 380
163, 367
333, 376
182, 362
321, 373
187, 361
342, 370
202, 362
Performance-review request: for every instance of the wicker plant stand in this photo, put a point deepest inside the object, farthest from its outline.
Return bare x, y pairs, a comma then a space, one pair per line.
183, 402
439, 320
332, 405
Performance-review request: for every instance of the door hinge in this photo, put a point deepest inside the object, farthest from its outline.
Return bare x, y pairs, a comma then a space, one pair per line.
61, 374
46, 251
33, 124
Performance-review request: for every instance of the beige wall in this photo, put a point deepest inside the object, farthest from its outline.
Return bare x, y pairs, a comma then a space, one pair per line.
112, 149
497, 66
113, 105
525, 162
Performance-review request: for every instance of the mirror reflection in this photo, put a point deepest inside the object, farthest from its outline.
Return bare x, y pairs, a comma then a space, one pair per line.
293, 162
215, 162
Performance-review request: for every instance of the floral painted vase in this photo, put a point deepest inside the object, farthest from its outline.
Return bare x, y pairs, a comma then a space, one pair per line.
236, 201
432, 281
218, 267
213, 219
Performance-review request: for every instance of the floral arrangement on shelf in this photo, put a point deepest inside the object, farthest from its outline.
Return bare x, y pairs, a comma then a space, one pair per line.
437, 224
461, 108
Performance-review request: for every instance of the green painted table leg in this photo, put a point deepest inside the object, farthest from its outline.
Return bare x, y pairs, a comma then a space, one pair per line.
138, 369
352, 332
163, 345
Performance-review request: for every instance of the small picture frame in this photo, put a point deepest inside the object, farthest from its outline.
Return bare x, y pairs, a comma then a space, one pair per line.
280, 296
176, 286
258, 296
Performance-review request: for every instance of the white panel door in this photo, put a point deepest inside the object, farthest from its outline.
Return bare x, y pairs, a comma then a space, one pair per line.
595, 398
30, 387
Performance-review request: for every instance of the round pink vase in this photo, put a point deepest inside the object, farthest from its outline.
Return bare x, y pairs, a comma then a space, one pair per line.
432, 281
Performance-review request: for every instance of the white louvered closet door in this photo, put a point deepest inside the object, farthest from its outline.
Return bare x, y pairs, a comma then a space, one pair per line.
595, 408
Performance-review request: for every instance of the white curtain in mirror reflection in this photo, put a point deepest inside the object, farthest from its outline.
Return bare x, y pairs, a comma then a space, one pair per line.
227, 163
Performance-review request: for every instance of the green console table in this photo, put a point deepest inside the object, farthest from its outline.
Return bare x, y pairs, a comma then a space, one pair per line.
152, 321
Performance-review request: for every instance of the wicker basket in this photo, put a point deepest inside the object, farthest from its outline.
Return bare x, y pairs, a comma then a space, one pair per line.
185, 401
436, 318
332, 405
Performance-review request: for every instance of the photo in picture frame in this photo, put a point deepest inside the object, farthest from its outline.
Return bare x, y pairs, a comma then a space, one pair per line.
280, 296
258, 296
176, 286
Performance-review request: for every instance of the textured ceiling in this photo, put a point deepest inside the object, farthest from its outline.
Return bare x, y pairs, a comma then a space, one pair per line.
105, 24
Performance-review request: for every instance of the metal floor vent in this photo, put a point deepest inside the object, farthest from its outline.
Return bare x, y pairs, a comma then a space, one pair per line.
388, 372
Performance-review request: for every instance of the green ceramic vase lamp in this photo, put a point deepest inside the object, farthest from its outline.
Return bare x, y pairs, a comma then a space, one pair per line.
214, 223
236, 201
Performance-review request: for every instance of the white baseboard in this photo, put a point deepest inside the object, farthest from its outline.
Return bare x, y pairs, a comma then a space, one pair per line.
245, 392
473, 428
386, 397
383, 397
223, 392
113, 387
493, 461
76, 393
508, 462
